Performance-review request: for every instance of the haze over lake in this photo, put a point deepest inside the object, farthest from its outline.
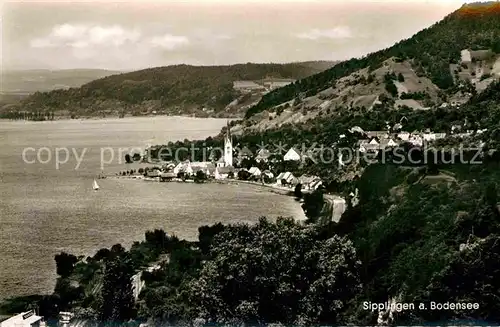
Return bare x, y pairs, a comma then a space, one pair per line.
44, 210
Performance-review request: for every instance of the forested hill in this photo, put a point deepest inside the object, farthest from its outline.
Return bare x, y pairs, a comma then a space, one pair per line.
179, 89
430, 55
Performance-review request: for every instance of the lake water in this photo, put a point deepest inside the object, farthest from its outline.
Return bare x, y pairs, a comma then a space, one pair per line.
45, 210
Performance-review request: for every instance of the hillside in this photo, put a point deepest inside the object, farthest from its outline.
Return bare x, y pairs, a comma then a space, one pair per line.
18, 84
441, 217
444, 64
180, 89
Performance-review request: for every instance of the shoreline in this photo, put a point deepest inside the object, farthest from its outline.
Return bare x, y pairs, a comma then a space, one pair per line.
66, 118
270, 187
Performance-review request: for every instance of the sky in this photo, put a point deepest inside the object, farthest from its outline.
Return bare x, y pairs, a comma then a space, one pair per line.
131, 35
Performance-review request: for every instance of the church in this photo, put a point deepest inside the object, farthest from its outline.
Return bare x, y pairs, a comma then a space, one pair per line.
227, 158
221, 169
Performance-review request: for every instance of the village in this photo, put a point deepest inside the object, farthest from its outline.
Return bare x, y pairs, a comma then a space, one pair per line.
265, 170
229, 167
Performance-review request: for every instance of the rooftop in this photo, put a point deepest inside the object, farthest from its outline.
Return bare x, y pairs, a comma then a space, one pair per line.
23, 319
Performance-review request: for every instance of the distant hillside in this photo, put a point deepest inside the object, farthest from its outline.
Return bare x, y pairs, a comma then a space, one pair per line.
180, 89
24, 82
441, 65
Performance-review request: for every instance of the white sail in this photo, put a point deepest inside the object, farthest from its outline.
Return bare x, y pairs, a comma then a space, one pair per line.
95, 186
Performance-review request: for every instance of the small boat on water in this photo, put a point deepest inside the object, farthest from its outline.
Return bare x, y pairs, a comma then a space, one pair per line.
95, 186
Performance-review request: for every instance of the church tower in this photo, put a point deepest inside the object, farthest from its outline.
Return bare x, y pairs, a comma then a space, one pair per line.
228, 147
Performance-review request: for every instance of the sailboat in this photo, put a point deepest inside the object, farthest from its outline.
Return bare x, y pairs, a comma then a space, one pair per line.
95, 186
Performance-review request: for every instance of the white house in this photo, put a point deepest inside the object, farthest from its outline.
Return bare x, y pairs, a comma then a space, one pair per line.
168, 166
255, 171
310, 182
220, 162
263, 155
292, 155
207, 168
268, 174
374, 142
429, 137
387, 143
223, 172
404, 136
466, 56
391, 142
366, 145
180, 167
416, 140
25, 319
188, 169
286, 177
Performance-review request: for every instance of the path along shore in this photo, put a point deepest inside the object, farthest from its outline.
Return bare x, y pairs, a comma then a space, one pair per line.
283, 190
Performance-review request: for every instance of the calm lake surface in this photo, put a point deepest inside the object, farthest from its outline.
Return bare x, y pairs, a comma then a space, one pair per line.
45, 210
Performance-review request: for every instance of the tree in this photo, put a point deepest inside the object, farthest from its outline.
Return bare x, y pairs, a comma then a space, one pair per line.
313, 205
206, 236
248, 163
117, 301
472, 276
391, 88
127, 158
65, 263
401, 78
200, 176
66, 293
275, 272
102, 254
243, 175
157, 239
298, 191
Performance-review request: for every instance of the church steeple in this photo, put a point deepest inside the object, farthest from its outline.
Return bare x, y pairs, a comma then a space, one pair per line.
228, 131
228, 147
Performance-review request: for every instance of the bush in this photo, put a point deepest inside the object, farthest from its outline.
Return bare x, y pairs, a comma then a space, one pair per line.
65, 263
200, 176
391, 88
